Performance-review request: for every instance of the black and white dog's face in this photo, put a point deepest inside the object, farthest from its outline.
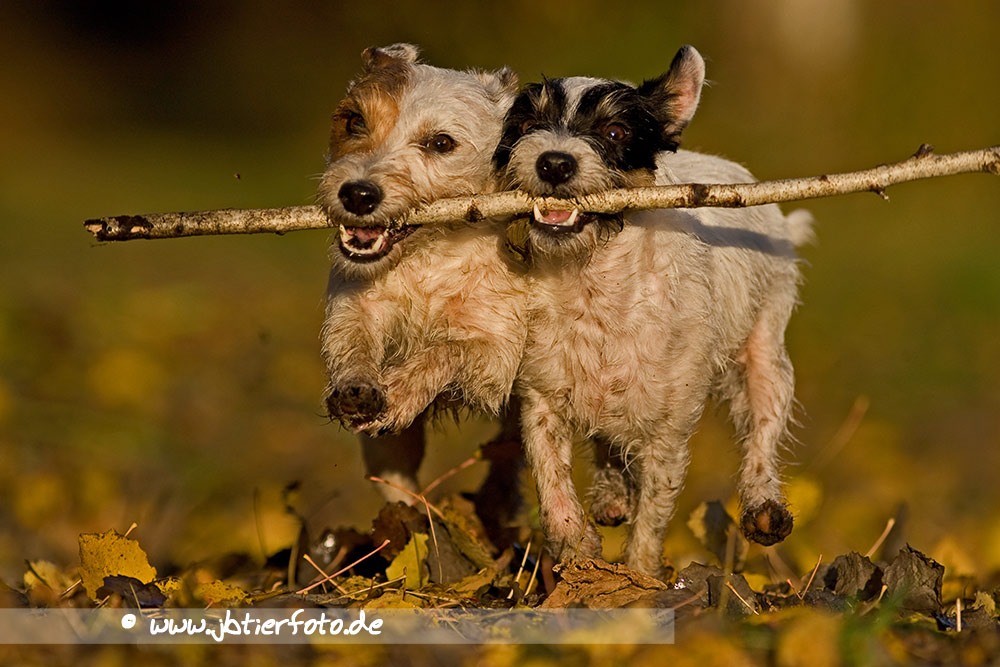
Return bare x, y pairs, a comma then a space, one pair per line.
578, 135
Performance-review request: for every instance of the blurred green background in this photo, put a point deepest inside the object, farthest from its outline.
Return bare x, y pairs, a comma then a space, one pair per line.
170, 382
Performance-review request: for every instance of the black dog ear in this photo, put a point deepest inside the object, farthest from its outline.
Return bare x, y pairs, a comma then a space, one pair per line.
674, 96
378, 57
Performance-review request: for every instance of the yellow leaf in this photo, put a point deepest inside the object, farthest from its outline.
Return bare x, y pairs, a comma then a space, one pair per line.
394, 600
169, 585
411, 561
44, 573
108, 554
220, 594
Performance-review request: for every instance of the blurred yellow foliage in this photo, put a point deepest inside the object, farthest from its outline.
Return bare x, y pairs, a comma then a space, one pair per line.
6, 402
39, 497
805, 495
810, 639
127, 378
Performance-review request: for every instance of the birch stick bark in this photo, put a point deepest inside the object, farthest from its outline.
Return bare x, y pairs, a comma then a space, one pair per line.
923, 164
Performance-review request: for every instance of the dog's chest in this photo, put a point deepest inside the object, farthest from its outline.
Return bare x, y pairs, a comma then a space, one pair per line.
458, 289
597, 341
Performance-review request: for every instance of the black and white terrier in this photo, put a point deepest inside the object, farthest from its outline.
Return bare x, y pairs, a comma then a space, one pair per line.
636, 319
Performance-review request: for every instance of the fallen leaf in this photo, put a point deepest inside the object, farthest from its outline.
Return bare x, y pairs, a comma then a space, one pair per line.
715, 529
853, 575
695, 577
220, 594
411, 561
596, 584
915, 580
445, 563
133, 592
735, 592
397, 522
465, 540
108, 554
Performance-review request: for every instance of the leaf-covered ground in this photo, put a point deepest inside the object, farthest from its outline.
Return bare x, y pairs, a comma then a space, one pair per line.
742, 605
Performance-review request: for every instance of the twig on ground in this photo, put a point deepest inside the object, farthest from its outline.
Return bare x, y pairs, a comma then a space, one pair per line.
881, 538
811, 577
324, 573
740, 598
339, 572
520, 570
534, 572
923, 164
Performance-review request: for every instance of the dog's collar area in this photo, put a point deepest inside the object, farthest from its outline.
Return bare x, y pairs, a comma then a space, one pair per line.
370, 243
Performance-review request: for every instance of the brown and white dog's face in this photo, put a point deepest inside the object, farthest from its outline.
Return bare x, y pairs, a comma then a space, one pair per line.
576, 136
406, 135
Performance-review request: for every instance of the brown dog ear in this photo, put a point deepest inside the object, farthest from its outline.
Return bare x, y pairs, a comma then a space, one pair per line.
501, 85
674, 96
379, 57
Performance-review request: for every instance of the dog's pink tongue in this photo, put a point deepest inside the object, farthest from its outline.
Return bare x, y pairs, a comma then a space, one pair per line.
556, 217
366, 233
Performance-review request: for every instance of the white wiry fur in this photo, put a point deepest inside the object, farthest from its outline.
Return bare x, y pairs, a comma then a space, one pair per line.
443, 311
631, 331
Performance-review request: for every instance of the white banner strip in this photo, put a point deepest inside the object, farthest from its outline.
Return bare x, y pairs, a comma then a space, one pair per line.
336, 626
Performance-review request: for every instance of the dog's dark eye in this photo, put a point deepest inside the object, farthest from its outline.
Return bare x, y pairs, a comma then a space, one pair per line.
527, 125
356, 124
439, 143
616, 132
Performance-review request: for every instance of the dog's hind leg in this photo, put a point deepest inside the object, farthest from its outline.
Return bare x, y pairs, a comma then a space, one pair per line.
395, 457
662, 461
499, 498
762, 406
613, 492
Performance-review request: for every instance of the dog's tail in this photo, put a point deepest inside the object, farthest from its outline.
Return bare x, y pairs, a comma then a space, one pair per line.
800, 227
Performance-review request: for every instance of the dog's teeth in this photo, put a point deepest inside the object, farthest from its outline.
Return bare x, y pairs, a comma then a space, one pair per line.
379, 244
572, 217
343, 233
538, 214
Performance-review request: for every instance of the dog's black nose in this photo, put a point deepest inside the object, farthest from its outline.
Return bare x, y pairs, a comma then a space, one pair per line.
555, 167
360, 197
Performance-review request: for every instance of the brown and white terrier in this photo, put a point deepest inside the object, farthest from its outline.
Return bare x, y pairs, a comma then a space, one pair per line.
414, 313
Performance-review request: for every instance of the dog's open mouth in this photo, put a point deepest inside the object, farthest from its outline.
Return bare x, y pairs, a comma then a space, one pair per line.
561, 222
367, 244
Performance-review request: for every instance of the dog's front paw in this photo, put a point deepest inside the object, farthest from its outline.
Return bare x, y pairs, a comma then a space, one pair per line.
357, 404
583, 545
767, 523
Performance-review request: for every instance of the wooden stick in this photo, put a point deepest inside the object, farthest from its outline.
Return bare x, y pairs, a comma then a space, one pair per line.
923, 164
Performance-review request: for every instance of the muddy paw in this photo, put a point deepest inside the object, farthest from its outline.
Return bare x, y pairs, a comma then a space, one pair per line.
577, 547
610, 497
766, 524
356, 404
